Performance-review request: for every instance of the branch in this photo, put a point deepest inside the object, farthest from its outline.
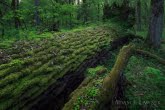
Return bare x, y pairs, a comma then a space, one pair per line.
110, 82
148, 54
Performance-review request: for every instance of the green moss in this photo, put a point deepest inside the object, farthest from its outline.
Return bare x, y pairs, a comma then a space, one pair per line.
152, 71
13, 63
9, 79
6, 92
38, 64
96, 70
25, 86
88, 99
3, 72
146, 81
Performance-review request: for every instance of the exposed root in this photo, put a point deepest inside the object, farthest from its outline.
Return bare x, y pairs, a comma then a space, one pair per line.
151, 55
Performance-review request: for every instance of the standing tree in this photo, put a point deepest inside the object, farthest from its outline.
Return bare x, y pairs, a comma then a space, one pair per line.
138, 15
37, 18
156, 23
15, 5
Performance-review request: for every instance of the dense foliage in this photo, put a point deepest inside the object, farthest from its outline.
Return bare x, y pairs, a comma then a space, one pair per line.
53, 15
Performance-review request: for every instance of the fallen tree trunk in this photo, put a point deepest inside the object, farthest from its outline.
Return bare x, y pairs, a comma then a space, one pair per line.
151, 55
110, 82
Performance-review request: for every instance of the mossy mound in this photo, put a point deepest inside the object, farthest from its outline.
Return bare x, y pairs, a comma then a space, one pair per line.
34, 65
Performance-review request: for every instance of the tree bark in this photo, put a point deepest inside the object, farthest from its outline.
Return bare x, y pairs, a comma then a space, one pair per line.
106, 11
146, 17
156, 23
15, 5
138, 15
85, 7
37, 18
78, 2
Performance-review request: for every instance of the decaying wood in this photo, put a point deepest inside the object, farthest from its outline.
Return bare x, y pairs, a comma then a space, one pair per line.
151, 55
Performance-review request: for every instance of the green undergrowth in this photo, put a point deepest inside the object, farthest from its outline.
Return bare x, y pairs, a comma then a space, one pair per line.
146, 79
7, 42
32, 66
33, 36
88, 99
144, 33
87, 95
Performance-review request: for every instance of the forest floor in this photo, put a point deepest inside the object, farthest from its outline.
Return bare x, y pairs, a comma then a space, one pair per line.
50, 55
146, 78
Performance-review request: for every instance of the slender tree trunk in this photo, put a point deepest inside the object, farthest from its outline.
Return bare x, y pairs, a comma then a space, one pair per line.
98, 8
37, 18
78, 2
1, 24
138, 15
146, 16
85, 13
156, 23
15, 5
106, 12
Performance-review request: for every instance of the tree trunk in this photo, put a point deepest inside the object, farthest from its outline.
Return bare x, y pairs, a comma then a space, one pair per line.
106, 12
15, 5
146, 14
138, 15
85, 13
37, 19
98, 9
78, 2
156, 23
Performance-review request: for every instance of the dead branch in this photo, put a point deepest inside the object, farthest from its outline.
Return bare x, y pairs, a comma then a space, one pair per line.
151, 55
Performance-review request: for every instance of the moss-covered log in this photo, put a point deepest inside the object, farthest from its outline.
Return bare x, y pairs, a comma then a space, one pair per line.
151, 55
31, 70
